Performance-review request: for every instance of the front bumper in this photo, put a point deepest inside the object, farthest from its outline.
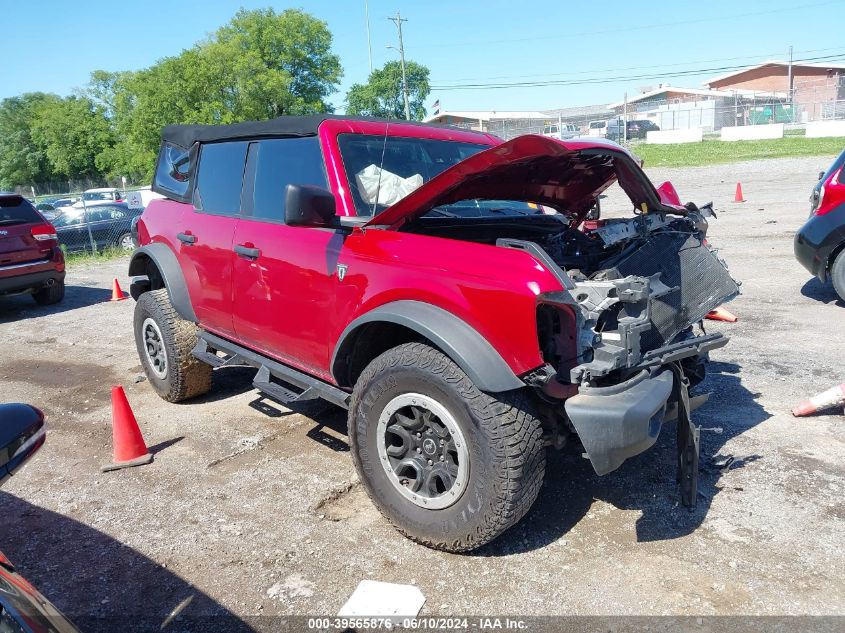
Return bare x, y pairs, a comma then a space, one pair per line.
620, 421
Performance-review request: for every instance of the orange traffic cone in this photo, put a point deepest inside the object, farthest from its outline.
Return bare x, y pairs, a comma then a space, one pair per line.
129, 447
720, 314
738, 196
116, 292
833, 397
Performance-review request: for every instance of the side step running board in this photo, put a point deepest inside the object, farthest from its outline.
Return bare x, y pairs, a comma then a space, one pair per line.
279, 392
298, 387
202, 352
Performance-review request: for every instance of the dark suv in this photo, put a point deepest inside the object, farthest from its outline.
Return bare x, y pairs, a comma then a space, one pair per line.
30, 258
637, 129
440, 285
820, 243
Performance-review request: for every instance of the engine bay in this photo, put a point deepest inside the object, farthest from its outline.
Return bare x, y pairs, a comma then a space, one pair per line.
633, 287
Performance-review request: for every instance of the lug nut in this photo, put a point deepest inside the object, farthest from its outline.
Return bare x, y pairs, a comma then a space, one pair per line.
430, 462
441, 458
418, 449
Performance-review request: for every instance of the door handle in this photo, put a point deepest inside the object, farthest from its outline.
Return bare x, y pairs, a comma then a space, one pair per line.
186, 237
247, 251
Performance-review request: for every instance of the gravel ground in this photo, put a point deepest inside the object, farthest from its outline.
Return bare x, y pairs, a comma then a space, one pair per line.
252, 509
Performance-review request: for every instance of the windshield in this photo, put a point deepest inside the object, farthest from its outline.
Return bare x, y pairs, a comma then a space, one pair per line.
99, 195
383, 170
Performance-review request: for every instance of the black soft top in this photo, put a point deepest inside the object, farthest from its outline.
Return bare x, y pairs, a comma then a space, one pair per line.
187, 135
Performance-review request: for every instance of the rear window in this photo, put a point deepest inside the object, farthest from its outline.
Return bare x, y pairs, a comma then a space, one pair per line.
173, 172
220, 178
595, 125
16, 210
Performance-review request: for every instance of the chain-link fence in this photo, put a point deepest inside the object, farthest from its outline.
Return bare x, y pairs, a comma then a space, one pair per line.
813, 100
94, 228
95, 221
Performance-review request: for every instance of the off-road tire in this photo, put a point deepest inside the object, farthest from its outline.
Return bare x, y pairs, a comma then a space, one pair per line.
505, 442
185, 377
50, 294
837, 275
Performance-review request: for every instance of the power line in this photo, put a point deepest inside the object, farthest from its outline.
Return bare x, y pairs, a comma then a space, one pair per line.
567, 35
616, 68
620, 78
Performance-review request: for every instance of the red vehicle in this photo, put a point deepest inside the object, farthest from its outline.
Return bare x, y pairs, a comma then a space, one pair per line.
409, 273
30, 258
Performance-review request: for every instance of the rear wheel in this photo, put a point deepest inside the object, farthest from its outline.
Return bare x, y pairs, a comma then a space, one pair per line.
452, 467
49, 295
164, 342
837, 274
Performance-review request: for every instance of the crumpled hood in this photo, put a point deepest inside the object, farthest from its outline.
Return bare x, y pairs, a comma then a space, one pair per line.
568, 175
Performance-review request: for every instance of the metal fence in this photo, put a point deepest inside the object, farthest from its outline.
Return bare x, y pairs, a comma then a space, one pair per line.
711, 111
95, 228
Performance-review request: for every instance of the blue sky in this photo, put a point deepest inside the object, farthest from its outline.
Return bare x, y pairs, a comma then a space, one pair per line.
53, 45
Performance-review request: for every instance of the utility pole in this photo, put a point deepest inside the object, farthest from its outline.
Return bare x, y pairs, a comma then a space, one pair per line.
625, 119
789, 92
369, 45
398, 22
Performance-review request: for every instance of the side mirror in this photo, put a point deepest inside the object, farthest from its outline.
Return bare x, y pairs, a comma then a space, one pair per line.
306, 205
22, 433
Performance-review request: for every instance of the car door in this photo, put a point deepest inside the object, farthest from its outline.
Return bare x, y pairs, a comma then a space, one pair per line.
72, 231
101, 223
204, 238
284, 276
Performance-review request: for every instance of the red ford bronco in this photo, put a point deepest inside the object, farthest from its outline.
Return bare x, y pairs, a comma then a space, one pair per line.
440, 284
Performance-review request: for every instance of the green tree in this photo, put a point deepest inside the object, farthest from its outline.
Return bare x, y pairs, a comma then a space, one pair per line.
23, 159
260, 65
75, 133
280, 63
382, 95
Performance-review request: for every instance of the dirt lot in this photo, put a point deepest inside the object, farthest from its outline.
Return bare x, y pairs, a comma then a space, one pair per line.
251, 509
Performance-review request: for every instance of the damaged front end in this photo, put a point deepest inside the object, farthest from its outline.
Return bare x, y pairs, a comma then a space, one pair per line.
618, 339
642, 286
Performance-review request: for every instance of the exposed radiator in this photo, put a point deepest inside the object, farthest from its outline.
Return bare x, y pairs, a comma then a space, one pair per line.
699, 280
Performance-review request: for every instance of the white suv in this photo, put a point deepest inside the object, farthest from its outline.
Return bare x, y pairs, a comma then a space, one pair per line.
566, 130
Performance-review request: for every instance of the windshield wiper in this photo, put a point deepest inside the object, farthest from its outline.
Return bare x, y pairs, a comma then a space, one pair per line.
444, 212
504, 209
12, 221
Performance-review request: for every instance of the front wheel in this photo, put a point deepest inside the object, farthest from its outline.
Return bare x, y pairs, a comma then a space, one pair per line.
452, 467
164, 342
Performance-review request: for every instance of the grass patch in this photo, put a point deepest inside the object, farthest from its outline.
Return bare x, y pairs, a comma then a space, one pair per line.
86, 257
715, 152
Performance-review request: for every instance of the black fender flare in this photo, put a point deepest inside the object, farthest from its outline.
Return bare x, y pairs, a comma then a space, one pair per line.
459, 341
171, 273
